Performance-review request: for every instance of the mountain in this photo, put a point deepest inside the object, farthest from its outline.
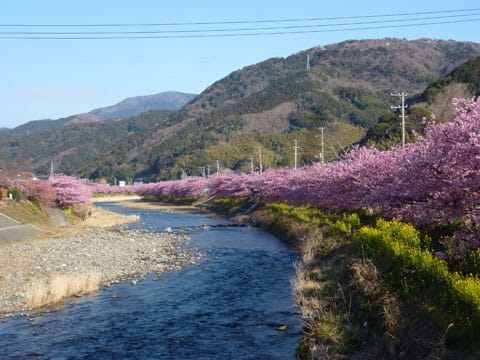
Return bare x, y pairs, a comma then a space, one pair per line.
170, 100
346, 90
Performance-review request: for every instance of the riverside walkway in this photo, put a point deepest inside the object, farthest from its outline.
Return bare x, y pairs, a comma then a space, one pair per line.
13, 230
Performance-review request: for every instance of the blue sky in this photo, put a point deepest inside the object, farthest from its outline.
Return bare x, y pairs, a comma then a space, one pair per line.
54, 78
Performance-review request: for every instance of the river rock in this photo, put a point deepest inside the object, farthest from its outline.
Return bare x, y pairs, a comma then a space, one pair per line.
115, 255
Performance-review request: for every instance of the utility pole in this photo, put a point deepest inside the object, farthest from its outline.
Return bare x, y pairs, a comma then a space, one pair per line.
308, 62
322, 154
251, 165
402, 107
202, 169
260, 158
295, 148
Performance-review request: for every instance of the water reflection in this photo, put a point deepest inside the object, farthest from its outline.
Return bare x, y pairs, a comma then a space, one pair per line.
231, 306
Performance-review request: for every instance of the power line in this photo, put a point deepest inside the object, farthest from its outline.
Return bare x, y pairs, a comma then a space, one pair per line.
231, 34
193, 31
242, 21
232, 29
420, 19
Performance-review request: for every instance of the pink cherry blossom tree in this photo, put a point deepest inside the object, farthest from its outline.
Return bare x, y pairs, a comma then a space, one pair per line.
70, 191
39, 191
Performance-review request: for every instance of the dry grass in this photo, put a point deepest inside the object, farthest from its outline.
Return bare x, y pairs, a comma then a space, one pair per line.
274, 120
311, 241
59, 287
307, 293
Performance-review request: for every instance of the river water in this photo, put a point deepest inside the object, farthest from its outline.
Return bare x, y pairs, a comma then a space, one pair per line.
234, 305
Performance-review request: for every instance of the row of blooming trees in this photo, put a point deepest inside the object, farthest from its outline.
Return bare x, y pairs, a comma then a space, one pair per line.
433, 181
62, 190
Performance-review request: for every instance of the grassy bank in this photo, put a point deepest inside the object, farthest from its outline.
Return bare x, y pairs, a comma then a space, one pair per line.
25, 212
368, 288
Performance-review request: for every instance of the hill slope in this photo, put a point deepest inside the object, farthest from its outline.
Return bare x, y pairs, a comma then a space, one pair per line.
277, 100
462, 82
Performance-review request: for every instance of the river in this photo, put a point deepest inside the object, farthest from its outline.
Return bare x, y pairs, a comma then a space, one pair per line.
236, 304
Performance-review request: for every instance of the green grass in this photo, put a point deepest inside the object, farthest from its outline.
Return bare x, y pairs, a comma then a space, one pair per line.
24, 211
386, 267
358, 269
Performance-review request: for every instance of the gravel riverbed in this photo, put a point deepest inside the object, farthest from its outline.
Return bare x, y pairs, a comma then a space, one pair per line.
114, 254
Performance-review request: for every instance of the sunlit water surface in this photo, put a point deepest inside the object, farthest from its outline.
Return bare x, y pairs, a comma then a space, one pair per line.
230, 306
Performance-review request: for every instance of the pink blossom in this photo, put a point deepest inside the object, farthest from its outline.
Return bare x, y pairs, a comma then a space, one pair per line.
70, 191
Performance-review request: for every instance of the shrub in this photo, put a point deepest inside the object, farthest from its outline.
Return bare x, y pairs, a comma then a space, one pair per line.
15, 193
420, 274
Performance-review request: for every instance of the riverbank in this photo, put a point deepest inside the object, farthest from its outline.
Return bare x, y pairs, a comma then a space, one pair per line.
358, 304
349, 309
81, 258
156, 205
237, 303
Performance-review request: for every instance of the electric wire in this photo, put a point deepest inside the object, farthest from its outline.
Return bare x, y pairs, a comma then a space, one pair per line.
243, 21
235, 29
245, 34
387, 22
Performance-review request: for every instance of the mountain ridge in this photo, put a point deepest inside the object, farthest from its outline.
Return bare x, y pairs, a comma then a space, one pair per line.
167, 100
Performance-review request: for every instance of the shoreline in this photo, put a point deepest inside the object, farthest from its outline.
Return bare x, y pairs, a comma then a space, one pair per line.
115, 198
137, 202
88, 253
154, 205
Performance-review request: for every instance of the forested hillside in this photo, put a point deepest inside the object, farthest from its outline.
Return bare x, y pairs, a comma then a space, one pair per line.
436, 99
261, 108
271, 103
75, 146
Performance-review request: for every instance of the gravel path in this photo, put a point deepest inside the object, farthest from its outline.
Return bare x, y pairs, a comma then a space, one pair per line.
116, 255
